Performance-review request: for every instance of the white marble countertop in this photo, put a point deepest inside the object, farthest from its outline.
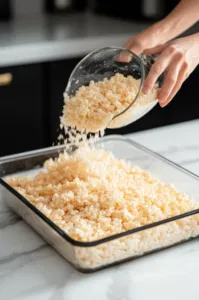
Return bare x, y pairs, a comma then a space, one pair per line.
29, 269
45, 38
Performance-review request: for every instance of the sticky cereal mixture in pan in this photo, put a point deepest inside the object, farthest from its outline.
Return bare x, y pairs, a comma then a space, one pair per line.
92, 194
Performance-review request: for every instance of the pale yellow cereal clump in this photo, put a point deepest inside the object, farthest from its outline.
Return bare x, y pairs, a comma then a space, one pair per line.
94, 106
92, 194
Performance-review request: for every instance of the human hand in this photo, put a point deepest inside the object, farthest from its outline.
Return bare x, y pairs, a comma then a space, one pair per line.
177, 59
149, 38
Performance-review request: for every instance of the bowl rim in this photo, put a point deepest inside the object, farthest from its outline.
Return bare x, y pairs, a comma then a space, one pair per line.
121, 49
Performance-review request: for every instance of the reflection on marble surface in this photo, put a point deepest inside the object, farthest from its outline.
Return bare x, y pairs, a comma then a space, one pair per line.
30, 269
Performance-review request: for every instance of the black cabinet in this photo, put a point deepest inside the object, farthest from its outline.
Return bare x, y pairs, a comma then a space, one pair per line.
22, 109
58, 74
143, 10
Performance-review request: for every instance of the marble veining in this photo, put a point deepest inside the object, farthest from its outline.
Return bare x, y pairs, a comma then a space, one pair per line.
30, 269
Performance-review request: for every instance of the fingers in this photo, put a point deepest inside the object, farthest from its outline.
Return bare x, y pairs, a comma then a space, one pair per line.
170, 79
124, 56
172, 60
182, 76
155, 50
157, 69
134, 46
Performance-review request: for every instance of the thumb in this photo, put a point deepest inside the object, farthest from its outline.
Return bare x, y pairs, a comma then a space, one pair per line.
131, 45
134, 46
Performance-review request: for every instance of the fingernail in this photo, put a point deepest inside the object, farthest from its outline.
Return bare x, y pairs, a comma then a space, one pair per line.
162, 103
122, 57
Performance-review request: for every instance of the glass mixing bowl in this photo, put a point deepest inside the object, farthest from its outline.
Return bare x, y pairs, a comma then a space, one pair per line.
104, 63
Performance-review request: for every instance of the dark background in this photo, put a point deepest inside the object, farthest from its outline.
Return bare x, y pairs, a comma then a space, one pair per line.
29, 114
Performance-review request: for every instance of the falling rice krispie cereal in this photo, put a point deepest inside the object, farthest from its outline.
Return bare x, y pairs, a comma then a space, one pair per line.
93, 107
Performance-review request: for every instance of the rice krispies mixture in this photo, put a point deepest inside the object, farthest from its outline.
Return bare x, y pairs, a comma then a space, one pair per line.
139, 243
92, 194
94, 106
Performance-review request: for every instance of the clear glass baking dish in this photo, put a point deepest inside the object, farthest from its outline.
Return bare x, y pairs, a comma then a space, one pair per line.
96, 255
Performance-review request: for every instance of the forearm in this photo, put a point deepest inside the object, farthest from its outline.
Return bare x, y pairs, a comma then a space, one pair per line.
184, 15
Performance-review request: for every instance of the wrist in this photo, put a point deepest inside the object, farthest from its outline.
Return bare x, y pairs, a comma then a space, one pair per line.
162, 30
184, 15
